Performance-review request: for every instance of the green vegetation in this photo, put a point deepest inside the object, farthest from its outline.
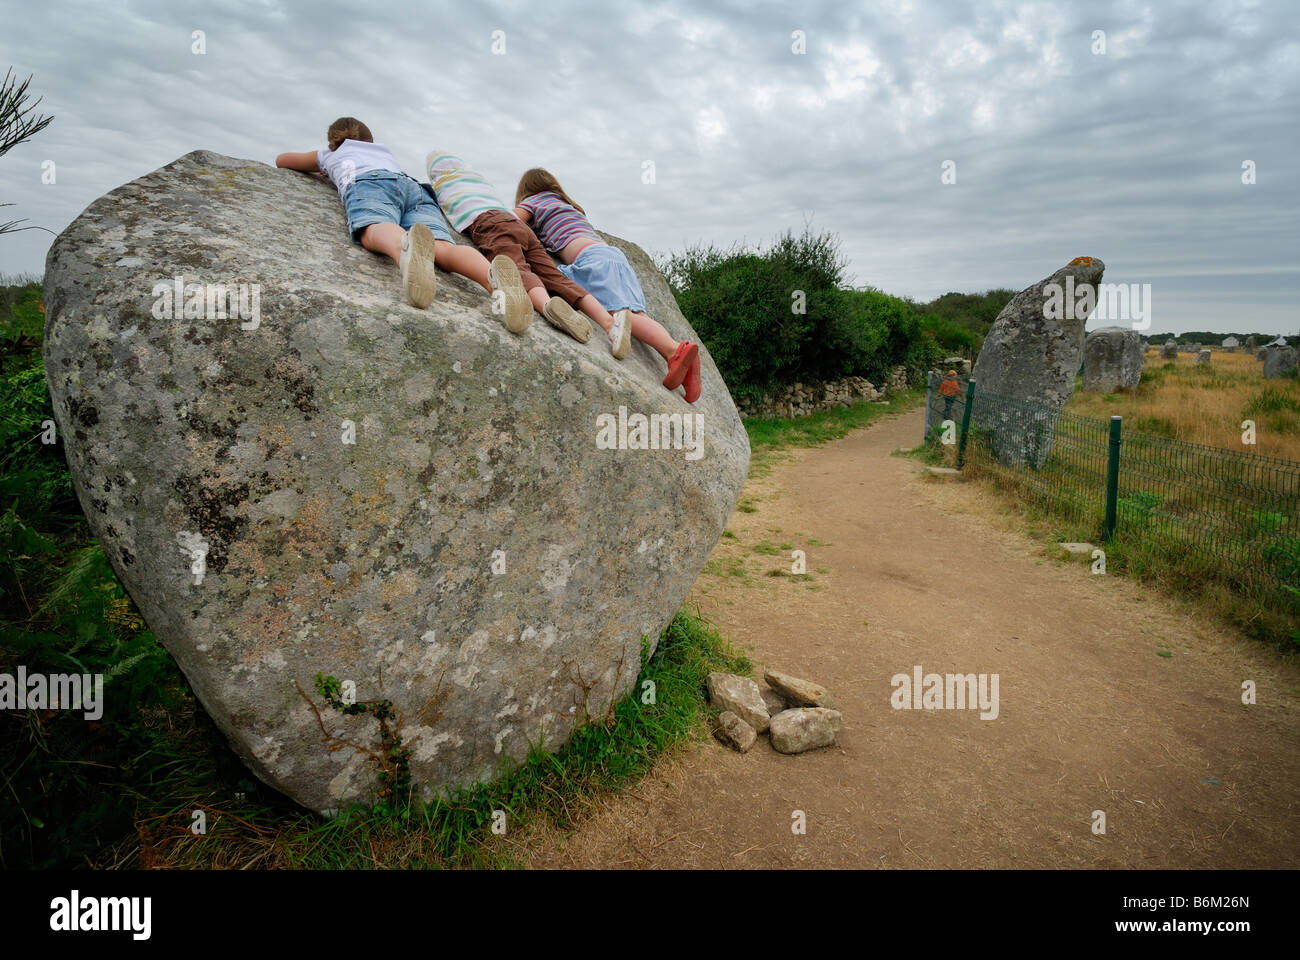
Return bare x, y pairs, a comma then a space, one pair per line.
781, 315
961, 321
122, 789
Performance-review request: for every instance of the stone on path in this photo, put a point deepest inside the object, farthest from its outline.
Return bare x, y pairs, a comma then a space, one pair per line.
797, 692
741, 696
735, 732
804, 728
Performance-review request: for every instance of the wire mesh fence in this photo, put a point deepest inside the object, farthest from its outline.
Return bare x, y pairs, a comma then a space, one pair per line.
1178, 505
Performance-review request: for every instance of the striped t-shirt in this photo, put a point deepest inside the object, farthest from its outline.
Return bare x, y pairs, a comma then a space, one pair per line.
462, 193
556, 223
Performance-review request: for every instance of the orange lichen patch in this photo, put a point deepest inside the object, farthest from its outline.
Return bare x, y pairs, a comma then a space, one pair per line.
244, 557
274, 439
41, 305
307, 529
1086, 261
402, 585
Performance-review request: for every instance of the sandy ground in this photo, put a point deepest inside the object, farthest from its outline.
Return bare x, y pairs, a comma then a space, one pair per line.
906, 571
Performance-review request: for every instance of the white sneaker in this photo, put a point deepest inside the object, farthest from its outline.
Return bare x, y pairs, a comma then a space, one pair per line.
620, 334
419, 275
504, 277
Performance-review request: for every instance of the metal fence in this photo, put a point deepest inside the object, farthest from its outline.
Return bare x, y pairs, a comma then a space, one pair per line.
1234, 515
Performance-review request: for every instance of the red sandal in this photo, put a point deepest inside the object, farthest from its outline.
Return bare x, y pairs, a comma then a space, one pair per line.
692, 381
679, 365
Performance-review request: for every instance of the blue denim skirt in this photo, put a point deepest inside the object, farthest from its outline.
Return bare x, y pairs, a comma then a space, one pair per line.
604, 272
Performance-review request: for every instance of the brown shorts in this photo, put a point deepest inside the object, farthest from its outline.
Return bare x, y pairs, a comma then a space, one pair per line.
498, 233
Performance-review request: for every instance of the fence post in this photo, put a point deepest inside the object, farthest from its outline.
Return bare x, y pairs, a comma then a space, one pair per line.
1112, 478
929, 387
965, 423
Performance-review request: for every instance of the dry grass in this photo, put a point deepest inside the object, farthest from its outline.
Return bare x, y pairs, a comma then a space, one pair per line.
1181, 400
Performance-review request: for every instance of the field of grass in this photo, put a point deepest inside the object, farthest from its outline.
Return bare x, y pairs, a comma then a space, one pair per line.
123, 790
1180, 400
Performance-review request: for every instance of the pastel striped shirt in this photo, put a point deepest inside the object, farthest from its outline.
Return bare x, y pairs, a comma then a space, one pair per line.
461, 192
556, 223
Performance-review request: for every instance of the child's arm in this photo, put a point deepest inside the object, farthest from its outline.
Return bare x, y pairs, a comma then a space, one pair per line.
306, 162
524, 215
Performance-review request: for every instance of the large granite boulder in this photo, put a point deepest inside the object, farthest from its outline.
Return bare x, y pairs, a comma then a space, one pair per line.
1025, 371
1112, 359
1279, 361
323, 479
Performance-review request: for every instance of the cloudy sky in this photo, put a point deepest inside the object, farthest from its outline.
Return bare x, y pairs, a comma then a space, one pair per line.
1133, 155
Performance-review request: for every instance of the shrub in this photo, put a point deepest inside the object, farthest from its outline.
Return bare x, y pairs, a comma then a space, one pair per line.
781, 315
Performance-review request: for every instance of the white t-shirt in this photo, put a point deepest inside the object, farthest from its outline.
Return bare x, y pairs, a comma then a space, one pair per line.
353, 158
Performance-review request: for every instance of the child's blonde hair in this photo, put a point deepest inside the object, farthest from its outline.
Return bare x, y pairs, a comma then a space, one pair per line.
347, 128
538, 180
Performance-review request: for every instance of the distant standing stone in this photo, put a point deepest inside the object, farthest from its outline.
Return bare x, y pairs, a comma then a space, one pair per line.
1203, 358
1278, 362
804, 728
734, 732
1169, 350
1112, 359
741, 696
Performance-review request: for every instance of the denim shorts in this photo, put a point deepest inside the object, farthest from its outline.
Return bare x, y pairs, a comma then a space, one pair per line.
382, 196
604, 272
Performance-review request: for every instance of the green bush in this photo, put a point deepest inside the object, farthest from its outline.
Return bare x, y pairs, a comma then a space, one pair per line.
781, 315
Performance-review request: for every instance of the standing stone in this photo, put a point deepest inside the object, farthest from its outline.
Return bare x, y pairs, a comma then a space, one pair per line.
1250, 344
1278, 362
320, 478
804, 728
741, 696
734, 732
1112, 359
1203, 358
1169, 350
1029, 361
1230, 344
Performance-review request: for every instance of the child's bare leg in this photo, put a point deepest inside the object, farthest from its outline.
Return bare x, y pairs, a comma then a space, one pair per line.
539, 296
651, 331
592, 308
384, 238
465, 260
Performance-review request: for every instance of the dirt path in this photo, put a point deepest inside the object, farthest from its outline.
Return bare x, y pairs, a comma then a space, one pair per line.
909, 571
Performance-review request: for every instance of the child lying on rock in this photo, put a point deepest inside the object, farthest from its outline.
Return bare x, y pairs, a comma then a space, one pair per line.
471, 204
563, 228
389, 212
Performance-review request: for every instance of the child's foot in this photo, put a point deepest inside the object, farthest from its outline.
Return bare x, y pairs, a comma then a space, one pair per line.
504, 276
419, 276
679, 364
620, 334
561, 315
692, 381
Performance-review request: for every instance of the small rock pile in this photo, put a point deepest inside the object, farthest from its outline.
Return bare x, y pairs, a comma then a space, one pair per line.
801, 399
797, 715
